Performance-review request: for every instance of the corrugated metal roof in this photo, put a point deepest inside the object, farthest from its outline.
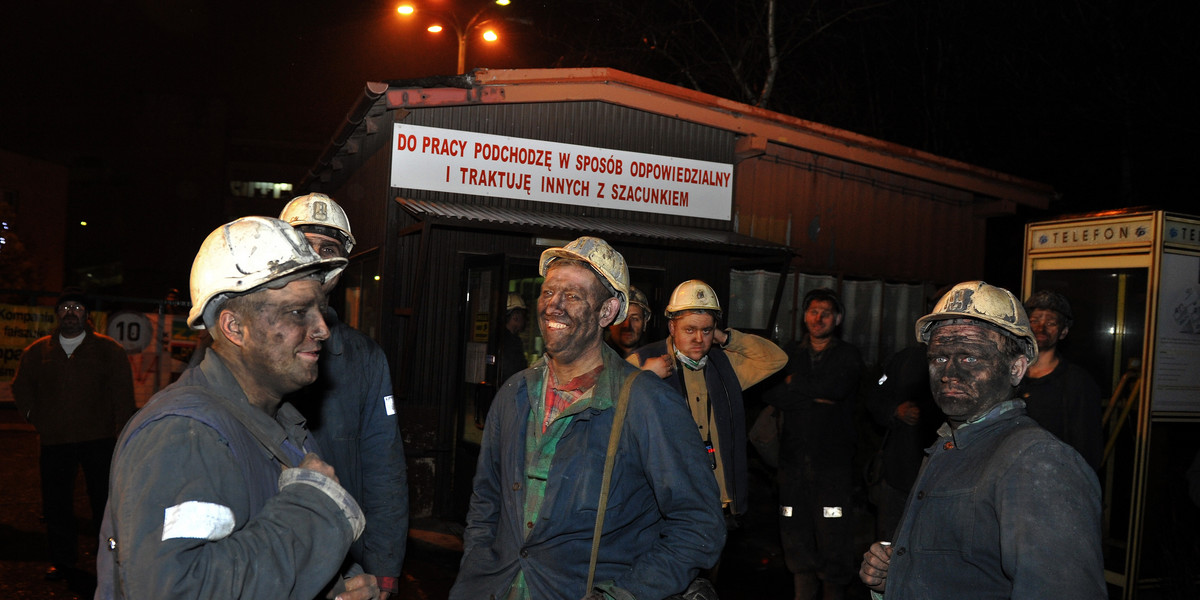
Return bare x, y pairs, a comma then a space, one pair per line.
509, 219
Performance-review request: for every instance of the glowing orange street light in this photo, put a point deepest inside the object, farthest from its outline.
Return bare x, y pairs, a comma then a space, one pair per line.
462, 31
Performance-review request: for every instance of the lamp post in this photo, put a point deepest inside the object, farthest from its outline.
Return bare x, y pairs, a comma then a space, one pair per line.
463, 31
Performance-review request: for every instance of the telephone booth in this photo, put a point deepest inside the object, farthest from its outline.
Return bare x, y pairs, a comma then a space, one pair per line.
1133, 280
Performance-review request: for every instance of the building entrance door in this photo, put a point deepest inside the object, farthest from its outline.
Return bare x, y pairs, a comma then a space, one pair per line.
490, 284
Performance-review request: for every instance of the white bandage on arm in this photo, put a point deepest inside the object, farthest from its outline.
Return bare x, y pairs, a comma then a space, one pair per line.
197, 520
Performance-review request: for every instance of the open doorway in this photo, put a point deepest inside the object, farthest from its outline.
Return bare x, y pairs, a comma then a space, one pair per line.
487, 283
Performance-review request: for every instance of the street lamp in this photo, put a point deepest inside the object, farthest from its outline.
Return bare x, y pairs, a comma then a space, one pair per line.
462, 30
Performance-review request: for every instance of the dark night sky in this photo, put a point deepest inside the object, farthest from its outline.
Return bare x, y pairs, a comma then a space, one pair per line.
285, 69
279, 68
1092, 98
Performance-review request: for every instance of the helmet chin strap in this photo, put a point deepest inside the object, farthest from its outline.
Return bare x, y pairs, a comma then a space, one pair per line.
694, 365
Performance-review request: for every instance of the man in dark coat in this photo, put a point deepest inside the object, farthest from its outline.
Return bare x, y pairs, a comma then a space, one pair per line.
816, 452
76, 388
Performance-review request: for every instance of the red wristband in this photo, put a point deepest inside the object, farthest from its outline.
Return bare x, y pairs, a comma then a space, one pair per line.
390, 585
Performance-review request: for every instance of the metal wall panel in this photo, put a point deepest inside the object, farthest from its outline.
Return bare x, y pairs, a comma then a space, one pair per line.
856, 221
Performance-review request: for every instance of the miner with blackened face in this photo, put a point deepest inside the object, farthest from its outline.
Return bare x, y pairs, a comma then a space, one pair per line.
1002, 508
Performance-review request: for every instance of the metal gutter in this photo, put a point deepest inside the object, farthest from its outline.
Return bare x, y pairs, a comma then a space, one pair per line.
354, 118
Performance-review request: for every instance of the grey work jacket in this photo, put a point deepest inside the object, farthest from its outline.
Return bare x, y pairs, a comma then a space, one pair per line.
1001, 509
200, 507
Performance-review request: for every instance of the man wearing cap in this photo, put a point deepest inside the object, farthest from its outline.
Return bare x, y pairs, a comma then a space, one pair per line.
816, 450
1001, 508
1059, 394
216, 487
76, 387
626, 336
711, 367
512, 349
538, 481
350, 408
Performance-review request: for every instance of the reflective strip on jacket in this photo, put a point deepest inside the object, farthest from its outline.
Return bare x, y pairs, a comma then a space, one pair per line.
196, 507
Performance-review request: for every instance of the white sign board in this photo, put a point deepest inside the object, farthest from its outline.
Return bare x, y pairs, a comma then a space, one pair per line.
131, 329
1106, 232
464, 162
1177, 346
1178, 232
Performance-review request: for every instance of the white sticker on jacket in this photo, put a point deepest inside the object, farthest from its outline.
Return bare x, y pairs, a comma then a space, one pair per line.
785, 511
389, 405
197, 520
832, 512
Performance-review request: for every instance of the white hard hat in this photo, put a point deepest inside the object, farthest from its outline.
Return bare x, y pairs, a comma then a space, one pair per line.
693, 295
639, 298
515, 301
603, 259
987, 303
318, 213
238, 257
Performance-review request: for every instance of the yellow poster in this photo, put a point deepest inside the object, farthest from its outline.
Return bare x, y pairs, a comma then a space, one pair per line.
482, 326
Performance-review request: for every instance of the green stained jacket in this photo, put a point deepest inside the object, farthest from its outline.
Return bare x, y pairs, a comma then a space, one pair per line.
663, 523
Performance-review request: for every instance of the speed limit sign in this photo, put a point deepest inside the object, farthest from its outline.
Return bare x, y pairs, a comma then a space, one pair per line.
132, 329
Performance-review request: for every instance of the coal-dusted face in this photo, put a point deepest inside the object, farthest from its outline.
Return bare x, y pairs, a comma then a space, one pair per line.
282, 331
573, 309
1048, 327
969, 372
326, 247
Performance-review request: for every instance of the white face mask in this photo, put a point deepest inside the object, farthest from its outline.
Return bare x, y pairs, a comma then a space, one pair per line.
694, 365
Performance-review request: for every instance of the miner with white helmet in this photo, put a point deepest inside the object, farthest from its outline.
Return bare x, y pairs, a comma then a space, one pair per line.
1002, 508
538, 482
351, 410
511, 359
216, 486
512, 349
626, 336
711, 367
319, 214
